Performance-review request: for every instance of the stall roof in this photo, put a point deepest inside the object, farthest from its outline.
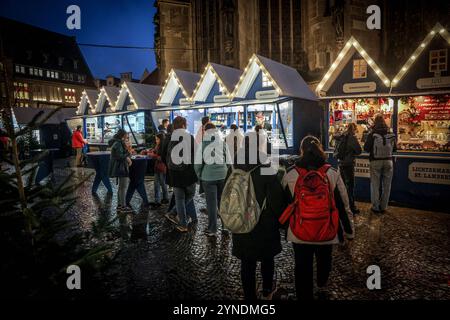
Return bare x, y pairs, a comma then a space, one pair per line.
341, 61
89, 96
24, 115
227, 78
177, 80
438, 30
107, 94
142, 96
286, 80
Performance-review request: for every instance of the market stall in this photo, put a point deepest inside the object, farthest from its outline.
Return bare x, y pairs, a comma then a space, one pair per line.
277, 98
421, 94
134, 104
174, 99
212, 95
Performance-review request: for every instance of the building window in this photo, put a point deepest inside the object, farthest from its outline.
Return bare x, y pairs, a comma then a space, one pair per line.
359, 69
39, 93
265, 81
17, 68
75, 64
438, 61
60, 61
21, 91
41, 73
55, 94
69, 95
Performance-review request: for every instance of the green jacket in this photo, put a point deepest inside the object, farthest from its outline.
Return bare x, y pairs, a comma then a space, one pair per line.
211, 172
118, 166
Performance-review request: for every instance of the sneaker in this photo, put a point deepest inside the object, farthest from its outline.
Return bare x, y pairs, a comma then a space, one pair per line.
182, 229
210, 234
268, 294
128, 208
172, 218
164, 201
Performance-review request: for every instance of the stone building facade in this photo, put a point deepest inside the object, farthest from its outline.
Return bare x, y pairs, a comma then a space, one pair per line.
305, 34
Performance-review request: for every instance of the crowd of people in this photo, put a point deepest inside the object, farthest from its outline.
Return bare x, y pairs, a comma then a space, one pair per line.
313, 201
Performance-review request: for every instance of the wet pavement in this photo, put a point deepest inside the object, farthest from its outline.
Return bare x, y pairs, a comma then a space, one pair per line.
154, 261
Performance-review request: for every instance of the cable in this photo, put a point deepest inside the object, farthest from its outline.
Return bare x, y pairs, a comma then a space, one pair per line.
110, 46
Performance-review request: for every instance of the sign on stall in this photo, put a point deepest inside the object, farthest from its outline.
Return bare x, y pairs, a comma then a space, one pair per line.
430, 83
359, 87
269, 94
362, 168
221, 99
435, 173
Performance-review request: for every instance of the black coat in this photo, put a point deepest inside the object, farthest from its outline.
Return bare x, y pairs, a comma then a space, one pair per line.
119, 155
352, 149
264, 240
185, 178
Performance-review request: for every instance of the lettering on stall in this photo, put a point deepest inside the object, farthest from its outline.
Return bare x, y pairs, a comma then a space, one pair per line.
435, 173
362, 168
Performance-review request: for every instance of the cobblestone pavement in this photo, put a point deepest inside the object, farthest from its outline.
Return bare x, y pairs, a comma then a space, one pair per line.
156, 262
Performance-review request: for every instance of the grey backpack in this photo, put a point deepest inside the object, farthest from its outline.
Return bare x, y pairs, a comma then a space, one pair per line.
383, 145
239, 208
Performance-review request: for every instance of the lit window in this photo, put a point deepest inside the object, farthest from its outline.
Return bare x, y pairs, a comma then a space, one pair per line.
438, 61
17, 68
69, 95
39, 93
75, 64
265, 81
31, 71
48, 74
40, 72
55, 94
21, 91
56, 75
22, 69
359, 69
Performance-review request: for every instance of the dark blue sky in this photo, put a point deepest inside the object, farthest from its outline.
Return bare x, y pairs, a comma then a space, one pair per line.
117, 22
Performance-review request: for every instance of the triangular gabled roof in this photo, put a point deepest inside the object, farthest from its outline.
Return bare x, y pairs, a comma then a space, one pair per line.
227, 78
177, 80
341, 61
142, 96
286, 80
438, 29
88, 96
107, 93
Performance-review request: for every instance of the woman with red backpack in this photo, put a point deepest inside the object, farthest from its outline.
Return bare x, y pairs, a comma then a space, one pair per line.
318, 216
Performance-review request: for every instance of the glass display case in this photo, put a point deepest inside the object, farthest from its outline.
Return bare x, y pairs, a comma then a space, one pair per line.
224, 117
424, 123
94, 129
359, 111
111, 124
193, 118
136, 124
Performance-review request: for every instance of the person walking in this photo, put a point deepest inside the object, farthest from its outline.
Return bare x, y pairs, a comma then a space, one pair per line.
119, 164
347, 148
211, 169
78, 143
312, 212
380, 144
182, 175
160, 170
262, 243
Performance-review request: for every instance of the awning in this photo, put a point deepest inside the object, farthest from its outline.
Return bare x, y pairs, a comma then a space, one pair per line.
24, 115
266, 101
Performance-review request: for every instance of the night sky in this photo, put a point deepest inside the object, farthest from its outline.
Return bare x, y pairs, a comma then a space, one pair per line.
117, 22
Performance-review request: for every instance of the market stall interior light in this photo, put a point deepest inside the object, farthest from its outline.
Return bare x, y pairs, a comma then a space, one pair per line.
437, 29
342, 59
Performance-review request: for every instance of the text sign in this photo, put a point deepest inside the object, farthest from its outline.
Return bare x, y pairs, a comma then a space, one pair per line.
435, 173
430, 83
221, 99
269, 94
359, 87
362, 168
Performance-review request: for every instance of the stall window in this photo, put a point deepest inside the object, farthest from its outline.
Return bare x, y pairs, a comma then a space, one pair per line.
37, 135
224, 117
159, 116
93, 129
424, 123
359, 111
438, 61
285, 118
193, 117
359, 69
111, 125
136, 124
266, 81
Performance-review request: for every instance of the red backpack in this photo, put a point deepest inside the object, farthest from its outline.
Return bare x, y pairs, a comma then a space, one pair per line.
313, 214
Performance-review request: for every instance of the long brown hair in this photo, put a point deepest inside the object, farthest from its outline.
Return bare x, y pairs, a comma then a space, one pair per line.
351, 129
378, 121
311, 152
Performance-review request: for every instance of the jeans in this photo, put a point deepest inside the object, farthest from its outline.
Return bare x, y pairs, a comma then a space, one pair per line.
160, 181
213, 193
304, 257
248, 276
79, 155
121, 191
381, 172
348, 176
182, 198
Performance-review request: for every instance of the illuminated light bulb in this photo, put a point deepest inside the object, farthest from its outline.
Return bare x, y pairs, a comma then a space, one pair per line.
404, 69
348, 44
355, 43
327, 76
442, 31
370, 61
394, 81
334, 65
341, 55
413, 57
432, 32
386, 82
320, 86
423, 45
